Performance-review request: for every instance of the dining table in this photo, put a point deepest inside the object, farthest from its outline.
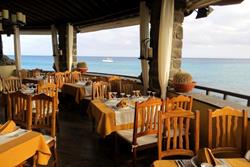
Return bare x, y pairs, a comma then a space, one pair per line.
78, 90
225, 162
20, 145
110, 118
34, 80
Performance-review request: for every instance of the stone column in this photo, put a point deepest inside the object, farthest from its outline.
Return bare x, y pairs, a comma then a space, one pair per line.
74, 50
62, 32
176, 46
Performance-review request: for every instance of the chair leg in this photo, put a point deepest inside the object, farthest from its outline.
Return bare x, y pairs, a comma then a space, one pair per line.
93, 125
34, 160
55, 155
134, 156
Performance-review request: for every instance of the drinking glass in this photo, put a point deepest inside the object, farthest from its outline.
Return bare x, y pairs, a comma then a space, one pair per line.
114, 93
133, 94
149, 93
122, 94
128, 95
153, 93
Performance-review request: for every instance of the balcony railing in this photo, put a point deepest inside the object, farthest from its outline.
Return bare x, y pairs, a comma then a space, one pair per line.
225, 94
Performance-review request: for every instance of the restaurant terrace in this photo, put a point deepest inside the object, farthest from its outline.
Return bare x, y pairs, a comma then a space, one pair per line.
73, 117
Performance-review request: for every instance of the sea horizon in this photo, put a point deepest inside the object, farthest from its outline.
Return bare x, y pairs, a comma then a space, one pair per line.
230, 74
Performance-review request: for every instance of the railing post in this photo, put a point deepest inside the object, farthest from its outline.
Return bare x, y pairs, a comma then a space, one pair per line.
207, 92
248, 102
224, 96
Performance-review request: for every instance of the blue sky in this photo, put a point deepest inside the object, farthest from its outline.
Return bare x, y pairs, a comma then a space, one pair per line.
225, 33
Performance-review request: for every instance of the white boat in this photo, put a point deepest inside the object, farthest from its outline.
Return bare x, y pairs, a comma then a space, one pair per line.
108, 60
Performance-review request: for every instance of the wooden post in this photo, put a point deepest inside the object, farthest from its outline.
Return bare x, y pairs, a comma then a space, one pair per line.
17, 48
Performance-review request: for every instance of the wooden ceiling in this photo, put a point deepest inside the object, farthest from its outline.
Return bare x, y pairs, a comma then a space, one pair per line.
40, 14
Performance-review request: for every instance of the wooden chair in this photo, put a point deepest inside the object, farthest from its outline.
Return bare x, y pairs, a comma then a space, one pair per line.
50, 77
11, 84
227, 126
99, 90
144, 133
181, 101
18, 108
174, 133
43, 119
36, 72
23, 73
59, 79
75, 76
114, 84
67, 77
127, 87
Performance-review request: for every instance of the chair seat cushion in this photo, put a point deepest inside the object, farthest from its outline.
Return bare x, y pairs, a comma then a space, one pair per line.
48, 138
143, 140
147, 139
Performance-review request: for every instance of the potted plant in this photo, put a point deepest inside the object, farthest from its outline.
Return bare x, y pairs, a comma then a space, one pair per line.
183, 82
82, 67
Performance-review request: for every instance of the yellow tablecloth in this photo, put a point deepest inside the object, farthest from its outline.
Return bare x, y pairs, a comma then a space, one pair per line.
105, 118
234, 162
75, 90
21, 148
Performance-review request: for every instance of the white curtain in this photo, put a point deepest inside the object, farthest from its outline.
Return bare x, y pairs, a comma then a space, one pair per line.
70, 38
55, 46
144, 43
165, 44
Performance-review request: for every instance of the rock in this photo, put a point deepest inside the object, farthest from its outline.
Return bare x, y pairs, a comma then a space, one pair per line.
5, 60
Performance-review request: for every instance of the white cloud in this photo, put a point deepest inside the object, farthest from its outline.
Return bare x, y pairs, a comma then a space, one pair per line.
224, 33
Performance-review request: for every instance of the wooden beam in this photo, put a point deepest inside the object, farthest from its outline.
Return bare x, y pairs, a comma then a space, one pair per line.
110, 25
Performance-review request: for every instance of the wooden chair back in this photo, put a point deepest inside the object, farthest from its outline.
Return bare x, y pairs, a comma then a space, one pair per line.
36, 72
50, 77
23, 73
49, 89
146, 118
11, 84
226, 126
59, 79
127, 86
67, 77
99, 90
43, 115
181, 101
75, 76
114, 84
18, 108
174, 133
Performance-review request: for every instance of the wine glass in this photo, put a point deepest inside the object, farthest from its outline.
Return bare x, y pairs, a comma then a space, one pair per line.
114, 93
128, 95
137, 93
149, 93
122, 94
133, 94
153, 93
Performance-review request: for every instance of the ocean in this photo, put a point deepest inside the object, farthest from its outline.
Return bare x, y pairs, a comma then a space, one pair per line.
226, 74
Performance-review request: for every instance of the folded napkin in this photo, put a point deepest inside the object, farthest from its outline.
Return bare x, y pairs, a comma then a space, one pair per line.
247, 155
205, 155
8, 127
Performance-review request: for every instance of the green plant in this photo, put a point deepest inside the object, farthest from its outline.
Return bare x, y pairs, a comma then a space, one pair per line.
182, 78
82, 64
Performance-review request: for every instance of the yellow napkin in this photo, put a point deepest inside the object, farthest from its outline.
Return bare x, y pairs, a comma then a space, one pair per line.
205, 155
8, 127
